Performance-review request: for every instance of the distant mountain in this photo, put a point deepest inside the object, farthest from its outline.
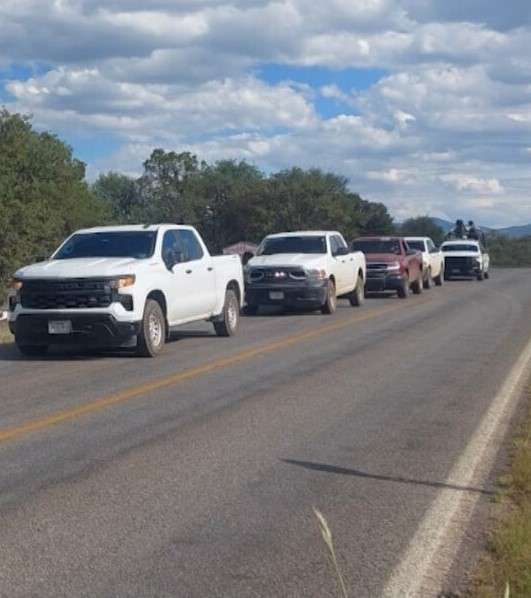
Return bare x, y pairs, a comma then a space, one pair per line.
513, 232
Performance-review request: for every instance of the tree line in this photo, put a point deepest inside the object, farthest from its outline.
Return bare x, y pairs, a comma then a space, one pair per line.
44, 196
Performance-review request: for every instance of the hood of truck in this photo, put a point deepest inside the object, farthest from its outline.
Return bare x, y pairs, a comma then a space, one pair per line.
304, 260
94, 267
382, 258
462, 254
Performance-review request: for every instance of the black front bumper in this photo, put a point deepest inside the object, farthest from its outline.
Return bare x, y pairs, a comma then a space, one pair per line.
461, 267
378, 283
96, 330
311, 296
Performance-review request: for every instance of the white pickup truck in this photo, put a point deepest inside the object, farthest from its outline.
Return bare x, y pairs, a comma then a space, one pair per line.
308, 269
432, 260
465, 257
124, 286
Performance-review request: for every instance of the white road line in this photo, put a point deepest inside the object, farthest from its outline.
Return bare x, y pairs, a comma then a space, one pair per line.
430, 554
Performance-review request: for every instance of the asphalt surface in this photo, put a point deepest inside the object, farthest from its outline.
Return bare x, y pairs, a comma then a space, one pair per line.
195, 474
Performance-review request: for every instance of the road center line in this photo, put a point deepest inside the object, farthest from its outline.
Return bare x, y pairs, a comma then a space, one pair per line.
188, 374
431, 552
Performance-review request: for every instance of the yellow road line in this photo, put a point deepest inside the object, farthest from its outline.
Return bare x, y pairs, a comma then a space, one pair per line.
148, 387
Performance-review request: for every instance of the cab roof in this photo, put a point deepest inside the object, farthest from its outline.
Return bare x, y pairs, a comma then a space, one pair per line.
305, 233
462, 242
132, 228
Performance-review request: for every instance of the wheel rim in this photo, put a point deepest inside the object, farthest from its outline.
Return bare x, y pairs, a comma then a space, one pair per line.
232, 314
155, 330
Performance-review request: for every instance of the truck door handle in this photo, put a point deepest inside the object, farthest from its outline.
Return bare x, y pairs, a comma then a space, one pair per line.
188, 271
210, 268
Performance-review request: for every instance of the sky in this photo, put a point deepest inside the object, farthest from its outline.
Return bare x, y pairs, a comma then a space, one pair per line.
424, 105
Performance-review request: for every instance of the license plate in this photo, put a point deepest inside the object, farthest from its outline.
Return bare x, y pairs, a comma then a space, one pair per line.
59, 327
276, 295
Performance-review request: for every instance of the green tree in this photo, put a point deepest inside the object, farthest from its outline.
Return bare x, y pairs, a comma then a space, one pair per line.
228, 203
122, 194
505, 251
43, 193
165, 186
422, 226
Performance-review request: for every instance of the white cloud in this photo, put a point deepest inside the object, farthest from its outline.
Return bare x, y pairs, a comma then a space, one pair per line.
465, 182
446, 129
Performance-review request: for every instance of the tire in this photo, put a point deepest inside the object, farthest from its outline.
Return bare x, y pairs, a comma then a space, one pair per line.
251, 310
228, 322
428, 281
438, 280
357, 297
487, 274
403, 290
417, 286
330, 305
447, 276
152, 335
480, 276
32, 350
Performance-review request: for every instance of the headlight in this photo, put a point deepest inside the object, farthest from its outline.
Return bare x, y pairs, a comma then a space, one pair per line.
393, 267
15, 284
123, 281
317, 274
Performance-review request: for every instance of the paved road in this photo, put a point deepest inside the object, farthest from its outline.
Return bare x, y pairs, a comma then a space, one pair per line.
195, 475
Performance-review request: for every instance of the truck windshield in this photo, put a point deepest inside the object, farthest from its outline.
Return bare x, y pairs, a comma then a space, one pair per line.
291, 244
418, 245
134, 244
377, 246
460, 247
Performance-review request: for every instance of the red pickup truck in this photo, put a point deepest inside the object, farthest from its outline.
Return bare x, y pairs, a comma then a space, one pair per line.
391, 265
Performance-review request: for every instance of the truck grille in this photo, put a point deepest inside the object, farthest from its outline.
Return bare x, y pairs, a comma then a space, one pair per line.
277, 275
73, 293
376, 270
458, 263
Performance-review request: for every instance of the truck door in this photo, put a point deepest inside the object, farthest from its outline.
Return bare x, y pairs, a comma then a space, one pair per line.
199, 270
188, 280
343, 268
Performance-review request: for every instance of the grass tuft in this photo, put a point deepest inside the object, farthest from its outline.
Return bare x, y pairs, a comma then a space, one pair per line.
327, 537
5, 335
506, 568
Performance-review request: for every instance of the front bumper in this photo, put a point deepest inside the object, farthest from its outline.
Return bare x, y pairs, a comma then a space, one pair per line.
377, 283
96, 330
287, 295
461, 267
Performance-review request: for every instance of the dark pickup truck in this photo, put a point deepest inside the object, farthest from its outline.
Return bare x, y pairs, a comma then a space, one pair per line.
391, 265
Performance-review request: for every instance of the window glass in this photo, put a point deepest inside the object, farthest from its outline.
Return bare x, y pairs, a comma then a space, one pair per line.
416, 245
135, 244
340, 241
192, 248
292, 244
171, 244
370, 246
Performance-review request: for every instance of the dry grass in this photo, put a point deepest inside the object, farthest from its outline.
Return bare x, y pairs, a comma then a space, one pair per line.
5, 335
508, 558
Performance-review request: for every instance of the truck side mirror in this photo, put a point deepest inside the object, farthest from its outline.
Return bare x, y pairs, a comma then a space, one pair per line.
340, 251
173, 258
